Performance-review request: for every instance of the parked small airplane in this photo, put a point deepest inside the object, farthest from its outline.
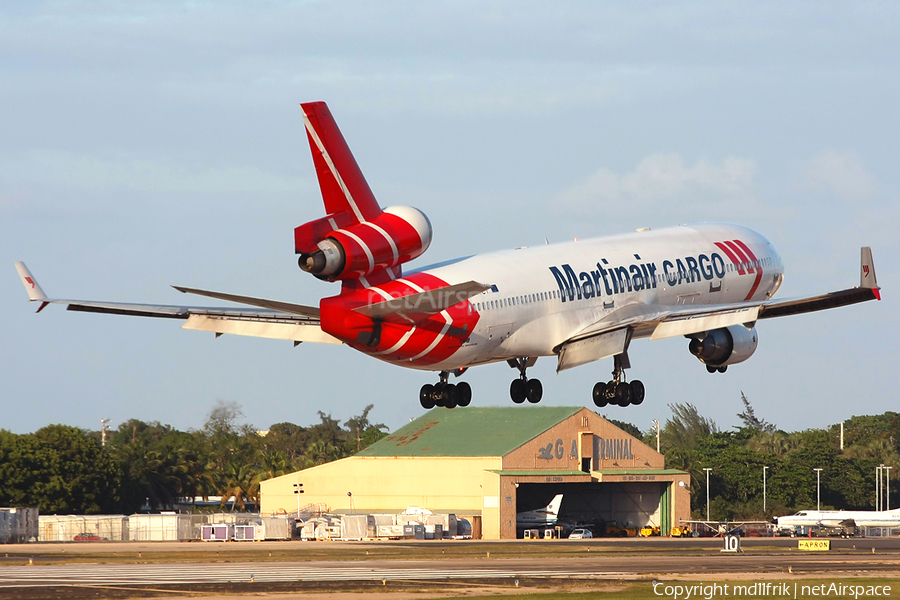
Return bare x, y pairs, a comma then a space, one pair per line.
541, 517
841, 518
579, 301
724, 527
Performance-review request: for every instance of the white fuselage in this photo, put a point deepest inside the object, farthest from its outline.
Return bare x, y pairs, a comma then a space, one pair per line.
841, 518
545, 295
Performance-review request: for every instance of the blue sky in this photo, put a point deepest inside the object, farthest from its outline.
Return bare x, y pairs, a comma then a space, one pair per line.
146, 144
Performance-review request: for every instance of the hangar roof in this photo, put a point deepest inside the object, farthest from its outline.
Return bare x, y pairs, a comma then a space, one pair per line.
489, 431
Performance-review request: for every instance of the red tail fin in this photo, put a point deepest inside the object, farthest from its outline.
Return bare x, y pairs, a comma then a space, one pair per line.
344, 189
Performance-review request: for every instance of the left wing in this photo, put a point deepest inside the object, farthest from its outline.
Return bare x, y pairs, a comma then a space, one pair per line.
611, 335
276, 320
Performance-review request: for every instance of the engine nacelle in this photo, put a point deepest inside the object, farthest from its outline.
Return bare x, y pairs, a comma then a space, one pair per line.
336, 247
726, 346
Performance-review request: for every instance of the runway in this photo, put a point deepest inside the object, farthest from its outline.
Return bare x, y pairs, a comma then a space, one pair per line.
612, 568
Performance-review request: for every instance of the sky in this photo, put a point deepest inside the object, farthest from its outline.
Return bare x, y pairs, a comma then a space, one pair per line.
150, 144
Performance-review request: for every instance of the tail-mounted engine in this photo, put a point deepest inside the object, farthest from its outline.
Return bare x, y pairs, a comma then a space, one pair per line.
338, 247
722, 347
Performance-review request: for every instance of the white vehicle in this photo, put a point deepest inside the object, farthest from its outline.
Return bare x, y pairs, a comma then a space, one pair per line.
581, 534
578, 301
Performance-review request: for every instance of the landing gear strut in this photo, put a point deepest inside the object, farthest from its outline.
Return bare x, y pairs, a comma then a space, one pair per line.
522, 389
618, 391
445, 394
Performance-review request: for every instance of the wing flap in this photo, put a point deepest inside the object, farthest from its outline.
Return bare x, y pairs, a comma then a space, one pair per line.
273, 329
579, 352
695, 323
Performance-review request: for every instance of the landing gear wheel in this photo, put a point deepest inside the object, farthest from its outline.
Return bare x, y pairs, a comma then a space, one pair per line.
623, 393
722, 369
463, 394
534, 390
600, 394
517, 391
426, 396
711, 369
637, 392
449, 396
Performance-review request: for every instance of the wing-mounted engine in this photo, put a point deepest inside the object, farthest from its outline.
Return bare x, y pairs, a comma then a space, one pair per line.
336, 247
725, 346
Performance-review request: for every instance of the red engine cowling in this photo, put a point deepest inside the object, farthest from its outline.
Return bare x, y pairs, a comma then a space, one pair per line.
336, 247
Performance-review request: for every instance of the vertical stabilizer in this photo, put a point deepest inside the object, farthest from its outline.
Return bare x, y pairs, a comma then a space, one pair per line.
553, 507
344, 189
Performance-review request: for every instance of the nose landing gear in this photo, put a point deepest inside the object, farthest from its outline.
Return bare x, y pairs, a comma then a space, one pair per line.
522, 389
445, 394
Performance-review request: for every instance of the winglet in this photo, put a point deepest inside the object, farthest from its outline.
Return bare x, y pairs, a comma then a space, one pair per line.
867, 272
35, 293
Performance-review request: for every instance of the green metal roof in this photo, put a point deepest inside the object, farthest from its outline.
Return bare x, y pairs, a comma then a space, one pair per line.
541, 473
470, 431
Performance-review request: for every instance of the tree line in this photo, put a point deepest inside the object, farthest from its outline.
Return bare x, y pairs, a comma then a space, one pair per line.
66, 470
736, 459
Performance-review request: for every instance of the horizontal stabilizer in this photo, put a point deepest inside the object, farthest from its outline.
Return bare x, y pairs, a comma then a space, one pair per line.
424, 303
296, 309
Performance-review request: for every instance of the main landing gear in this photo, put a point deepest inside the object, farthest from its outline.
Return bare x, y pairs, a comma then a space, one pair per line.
445, 394
618, 391
523, 389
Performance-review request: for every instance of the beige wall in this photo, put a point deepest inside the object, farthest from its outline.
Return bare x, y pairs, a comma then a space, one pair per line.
562, 447
459, 485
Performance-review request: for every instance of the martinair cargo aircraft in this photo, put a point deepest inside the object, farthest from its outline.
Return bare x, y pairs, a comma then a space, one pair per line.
579, 301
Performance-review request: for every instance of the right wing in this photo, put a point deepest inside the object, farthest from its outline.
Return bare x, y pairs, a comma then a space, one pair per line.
275, 320
611, 335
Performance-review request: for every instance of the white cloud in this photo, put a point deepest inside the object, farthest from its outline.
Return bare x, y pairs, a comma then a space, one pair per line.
841, 174
662, 183
94, 173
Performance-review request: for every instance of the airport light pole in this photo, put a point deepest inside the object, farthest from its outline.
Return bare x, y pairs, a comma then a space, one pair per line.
298, 489
887, 496
707, 469
878, 470
656, 426
765, 468
818, 496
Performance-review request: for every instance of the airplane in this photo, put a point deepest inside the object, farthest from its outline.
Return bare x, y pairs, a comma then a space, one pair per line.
579, 301
721, 528
840, 518
546, 516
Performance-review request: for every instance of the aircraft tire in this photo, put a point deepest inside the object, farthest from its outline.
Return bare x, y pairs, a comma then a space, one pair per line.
534, 391
623, 394
463, 394
426, 396
599, 394
449, 396
711, 369
722, 369
517, 391
637, 392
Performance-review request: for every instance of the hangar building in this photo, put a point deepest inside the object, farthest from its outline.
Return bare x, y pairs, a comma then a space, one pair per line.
494, 462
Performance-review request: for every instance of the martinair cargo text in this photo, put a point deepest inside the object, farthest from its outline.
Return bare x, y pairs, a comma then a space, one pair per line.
578, 301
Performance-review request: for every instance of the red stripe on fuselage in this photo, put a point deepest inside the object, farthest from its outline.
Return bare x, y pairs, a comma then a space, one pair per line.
759, 271
340, 320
